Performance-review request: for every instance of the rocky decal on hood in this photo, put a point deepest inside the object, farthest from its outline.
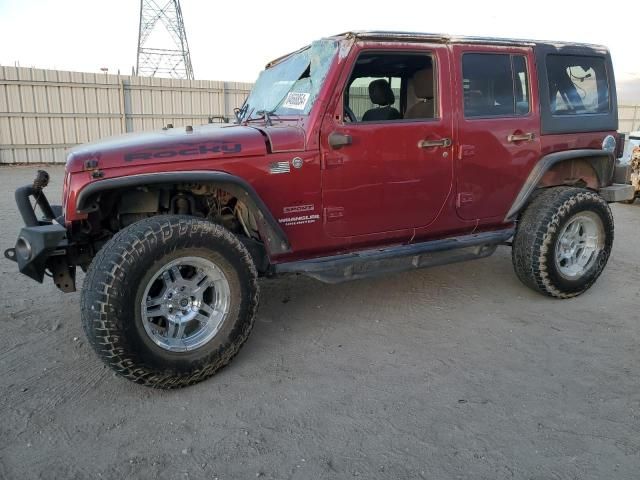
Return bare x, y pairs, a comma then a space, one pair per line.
184, 149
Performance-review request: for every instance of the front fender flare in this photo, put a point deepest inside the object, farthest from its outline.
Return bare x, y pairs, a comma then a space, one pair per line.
274, 237
602, 162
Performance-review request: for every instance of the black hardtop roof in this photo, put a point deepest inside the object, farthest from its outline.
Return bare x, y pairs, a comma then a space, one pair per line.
395, 36
392, 36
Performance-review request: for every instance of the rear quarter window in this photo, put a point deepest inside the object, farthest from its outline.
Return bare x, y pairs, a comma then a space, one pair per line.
578, 85
577, 88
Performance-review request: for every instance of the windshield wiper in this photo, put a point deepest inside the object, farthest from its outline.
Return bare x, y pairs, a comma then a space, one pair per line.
267, 114
264, 114
239, 112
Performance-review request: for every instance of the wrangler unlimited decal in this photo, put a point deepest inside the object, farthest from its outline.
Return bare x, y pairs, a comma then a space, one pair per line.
300, 220
184, 150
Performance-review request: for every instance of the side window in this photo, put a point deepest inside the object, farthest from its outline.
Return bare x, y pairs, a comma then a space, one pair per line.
520, 84
578, 84
360, 101
495, 85
387, 87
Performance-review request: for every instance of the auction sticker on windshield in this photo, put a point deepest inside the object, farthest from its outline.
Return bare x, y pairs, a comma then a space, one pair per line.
296, 100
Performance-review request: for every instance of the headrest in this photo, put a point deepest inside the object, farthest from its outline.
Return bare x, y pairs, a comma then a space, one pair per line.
423, 83
380, 92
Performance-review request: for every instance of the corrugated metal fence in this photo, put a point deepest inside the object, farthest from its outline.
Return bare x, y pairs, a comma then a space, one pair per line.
629, 118
44, 112
360, 102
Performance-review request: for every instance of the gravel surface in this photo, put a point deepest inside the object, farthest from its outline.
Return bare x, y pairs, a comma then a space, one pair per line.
451, 372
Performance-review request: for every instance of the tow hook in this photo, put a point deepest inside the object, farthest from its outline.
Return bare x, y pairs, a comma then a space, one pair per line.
10, 254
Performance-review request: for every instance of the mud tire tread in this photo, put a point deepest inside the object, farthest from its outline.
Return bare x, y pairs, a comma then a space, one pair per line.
105, 284
537, 231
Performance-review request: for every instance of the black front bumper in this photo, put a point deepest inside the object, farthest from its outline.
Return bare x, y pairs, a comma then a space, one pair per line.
42, 244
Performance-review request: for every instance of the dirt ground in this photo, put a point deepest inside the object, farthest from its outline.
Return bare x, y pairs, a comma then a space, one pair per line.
452, 372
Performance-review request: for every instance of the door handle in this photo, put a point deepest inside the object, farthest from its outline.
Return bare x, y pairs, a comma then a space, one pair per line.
521, 137
443, 142
339, 140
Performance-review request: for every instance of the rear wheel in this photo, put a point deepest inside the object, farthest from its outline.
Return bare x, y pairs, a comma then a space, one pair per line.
170, 300
563, 241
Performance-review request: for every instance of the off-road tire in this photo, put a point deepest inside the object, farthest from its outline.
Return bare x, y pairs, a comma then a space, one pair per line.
112, 290
537, 232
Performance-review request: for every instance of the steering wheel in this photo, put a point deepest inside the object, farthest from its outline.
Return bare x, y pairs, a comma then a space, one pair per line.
349, 115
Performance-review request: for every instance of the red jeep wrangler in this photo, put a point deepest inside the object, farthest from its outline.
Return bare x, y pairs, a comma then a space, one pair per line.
361, 154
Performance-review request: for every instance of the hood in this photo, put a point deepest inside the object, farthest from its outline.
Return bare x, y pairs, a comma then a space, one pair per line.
185, 143
170, 145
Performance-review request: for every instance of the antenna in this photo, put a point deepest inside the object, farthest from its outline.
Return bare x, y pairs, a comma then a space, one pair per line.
163, 50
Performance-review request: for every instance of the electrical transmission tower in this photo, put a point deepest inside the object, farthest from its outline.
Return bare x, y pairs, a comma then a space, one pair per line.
163, 50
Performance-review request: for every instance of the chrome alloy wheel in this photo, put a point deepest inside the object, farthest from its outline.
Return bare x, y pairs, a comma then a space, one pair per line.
578, 245
185, 303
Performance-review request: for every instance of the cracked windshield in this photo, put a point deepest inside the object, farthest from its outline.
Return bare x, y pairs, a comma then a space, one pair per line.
292, 85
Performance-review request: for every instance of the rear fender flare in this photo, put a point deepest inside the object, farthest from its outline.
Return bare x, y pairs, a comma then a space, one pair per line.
602, 163
274, 237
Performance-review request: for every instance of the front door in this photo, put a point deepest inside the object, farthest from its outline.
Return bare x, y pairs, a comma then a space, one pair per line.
498, 127
387, 154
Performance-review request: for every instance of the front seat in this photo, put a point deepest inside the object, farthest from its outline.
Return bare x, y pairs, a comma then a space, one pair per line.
381, 94
422, 82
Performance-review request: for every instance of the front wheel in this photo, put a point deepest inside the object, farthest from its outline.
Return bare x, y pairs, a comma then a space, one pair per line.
170, 300
563, 241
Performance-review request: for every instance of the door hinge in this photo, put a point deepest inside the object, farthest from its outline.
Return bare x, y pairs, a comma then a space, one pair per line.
464, 198
466, 151
333, 213
333, 161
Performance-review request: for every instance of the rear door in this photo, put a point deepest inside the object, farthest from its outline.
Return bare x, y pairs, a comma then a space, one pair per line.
498, 127
390, 174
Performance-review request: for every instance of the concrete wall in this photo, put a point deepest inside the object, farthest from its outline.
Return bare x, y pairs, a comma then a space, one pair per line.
44, 112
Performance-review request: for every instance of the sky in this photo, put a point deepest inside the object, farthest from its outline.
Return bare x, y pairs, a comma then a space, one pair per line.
232, 40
